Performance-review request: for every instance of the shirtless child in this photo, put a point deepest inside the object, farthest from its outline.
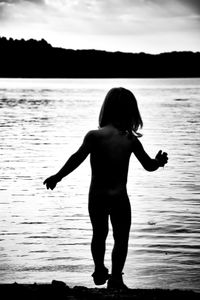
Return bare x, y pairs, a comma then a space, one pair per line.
110, 148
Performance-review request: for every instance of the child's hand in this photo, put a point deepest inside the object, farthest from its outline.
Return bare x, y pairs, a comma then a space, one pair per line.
162, 158
51, 182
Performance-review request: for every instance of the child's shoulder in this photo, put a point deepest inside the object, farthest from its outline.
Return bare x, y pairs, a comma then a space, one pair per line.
106, 132
96, 132
91, 134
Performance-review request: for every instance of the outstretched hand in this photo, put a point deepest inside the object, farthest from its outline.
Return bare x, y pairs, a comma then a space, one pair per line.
51, 182
162, 158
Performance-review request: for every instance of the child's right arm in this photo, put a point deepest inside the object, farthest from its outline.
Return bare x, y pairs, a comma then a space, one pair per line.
147, 162
72, 163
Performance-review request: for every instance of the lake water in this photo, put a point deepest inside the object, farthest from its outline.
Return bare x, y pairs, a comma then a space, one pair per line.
46, 235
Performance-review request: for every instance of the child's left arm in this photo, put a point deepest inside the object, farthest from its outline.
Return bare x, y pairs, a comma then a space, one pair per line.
147, 162
72, 163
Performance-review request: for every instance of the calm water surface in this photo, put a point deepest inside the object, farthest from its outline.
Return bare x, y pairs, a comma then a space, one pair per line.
45, 235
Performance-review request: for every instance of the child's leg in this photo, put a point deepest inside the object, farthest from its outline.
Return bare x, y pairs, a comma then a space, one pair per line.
121, 221
99, 220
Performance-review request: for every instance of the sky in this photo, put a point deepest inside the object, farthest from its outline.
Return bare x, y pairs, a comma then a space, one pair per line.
151, 26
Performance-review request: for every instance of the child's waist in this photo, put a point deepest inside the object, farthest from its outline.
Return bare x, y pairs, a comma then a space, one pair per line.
99, 189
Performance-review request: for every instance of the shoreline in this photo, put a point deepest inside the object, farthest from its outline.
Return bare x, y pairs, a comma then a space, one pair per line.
60, 290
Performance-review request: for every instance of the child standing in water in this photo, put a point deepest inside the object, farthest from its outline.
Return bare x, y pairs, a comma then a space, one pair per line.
110, 148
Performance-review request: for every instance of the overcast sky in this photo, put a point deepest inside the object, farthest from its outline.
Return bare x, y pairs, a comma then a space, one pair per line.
151, 26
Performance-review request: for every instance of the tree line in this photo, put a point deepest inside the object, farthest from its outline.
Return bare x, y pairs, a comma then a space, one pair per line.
38, 59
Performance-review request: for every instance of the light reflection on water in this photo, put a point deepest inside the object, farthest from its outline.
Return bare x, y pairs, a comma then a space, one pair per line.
46, 235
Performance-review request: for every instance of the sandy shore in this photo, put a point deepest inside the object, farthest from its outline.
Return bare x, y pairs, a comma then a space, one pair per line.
59, 290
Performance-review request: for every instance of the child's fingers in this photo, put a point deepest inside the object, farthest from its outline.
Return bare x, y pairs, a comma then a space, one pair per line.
159, 153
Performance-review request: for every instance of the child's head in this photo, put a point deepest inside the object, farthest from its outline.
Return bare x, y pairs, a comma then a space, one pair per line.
121, 110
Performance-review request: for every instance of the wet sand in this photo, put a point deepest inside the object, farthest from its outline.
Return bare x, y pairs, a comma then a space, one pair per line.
59, 290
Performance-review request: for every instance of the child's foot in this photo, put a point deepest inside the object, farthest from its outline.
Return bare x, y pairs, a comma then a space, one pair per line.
100, 276
116, 283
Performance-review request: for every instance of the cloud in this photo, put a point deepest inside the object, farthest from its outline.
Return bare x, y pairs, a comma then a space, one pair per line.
12, 11
92, 22
194, 4
129, 16
106, 11
6, 4
20, 1
177, 7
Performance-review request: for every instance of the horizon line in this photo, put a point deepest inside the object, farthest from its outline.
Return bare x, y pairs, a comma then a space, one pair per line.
100, 50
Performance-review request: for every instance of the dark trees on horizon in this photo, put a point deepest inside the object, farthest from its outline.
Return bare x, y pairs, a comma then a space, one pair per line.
38, 59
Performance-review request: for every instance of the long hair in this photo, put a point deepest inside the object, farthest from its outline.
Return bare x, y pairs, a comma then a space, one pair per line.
121, 110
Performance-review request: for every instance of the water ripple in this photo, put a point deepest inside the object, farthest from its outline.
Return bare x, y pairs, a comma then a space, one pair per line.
42, 122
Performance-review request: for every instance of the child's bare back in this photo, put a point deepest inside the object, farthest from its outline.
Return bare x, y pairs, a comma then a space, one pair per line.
111, 150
